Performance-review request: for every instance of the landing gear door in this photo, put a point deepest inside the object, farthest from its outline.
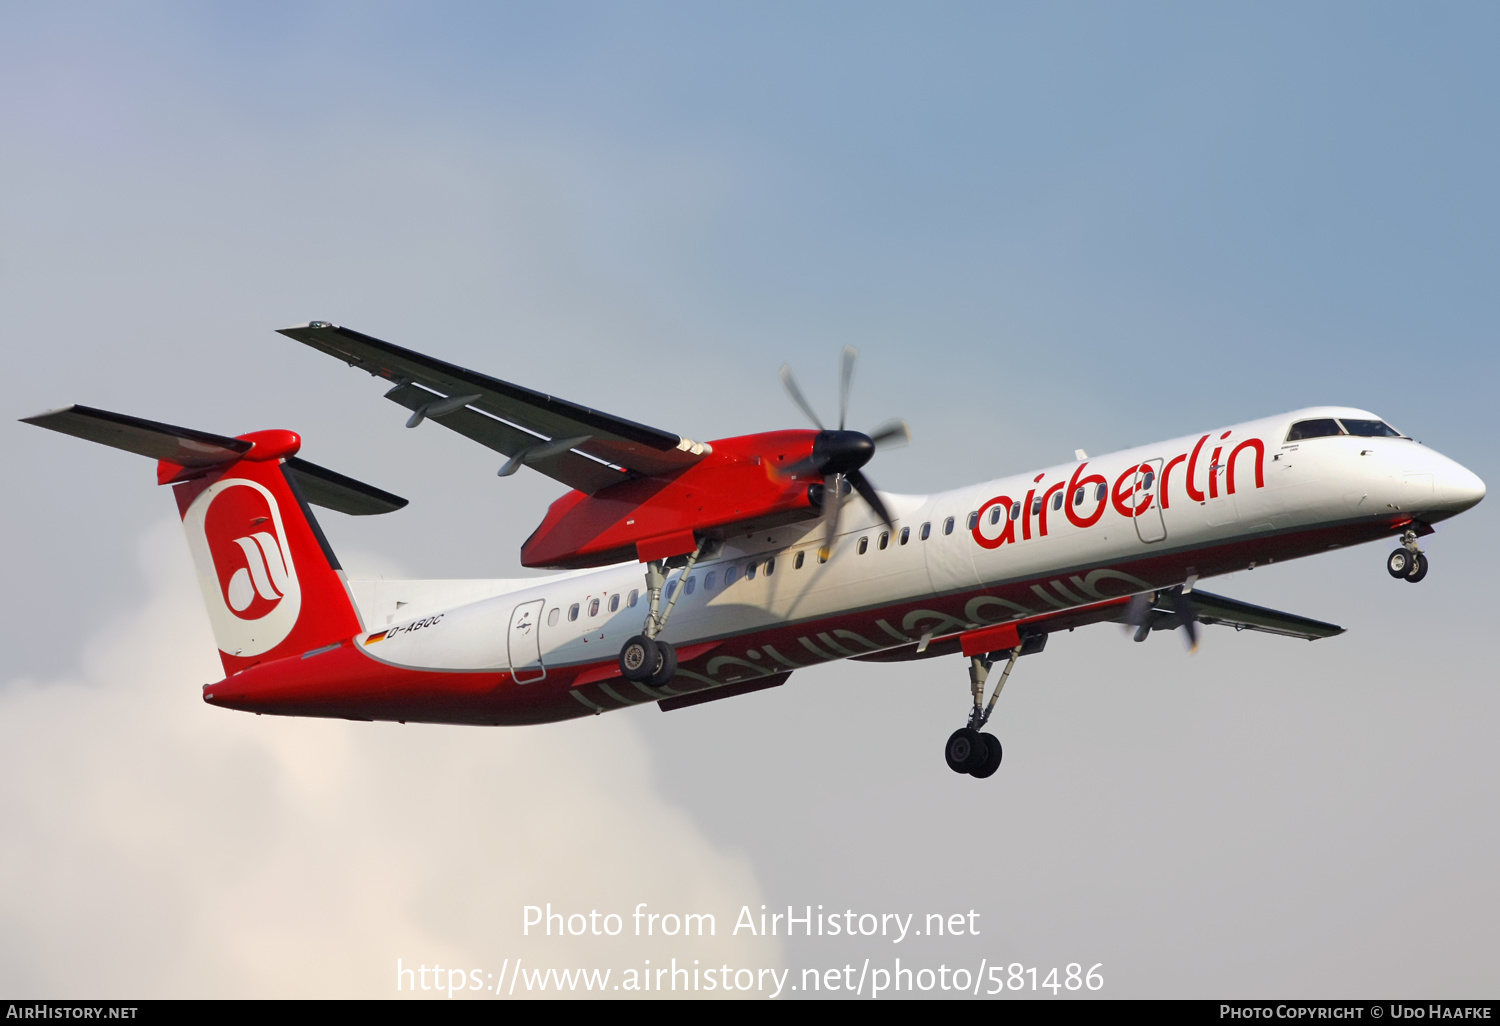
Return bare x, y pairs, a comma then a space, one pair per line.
1149, 525
526, 643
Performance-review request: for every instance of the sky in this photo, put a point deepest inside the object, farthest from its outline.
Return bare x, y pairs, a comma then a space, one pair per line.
1046, 227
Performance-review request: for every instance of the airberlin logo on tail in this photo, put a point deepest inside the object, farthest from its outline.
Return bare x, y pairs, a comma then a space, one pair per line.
264, 574
244, 564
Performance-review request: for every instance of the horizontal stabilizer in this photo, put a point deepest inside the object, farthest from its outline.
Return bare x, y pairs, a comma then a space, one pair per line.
200, 450
322, 487
182, 446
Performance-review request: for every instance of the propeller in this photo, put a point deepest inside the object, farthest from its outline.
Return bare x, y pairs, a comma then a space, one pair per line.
839, 456
1140, 612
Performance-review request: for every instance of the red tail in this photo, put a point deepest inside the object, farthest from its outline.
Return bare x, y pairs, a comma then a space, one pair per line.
271, 583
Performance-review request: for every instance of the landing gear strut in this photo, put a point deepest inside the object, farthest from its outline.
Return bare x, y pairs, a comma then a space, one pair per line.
1408, 562
968, 750
645, 659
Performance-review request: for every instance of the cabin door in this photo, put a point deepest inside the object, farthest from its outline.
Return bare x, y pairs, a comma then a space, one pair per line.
1149, 524
526, 643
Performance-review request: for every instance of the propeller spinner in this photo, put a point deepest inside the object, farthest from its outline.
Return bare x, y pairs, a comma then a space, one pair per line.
839, 456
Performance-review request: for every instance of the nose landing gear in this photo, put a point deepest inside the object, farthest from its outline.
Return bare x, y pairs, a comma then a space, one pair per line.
968, 750
1408, 562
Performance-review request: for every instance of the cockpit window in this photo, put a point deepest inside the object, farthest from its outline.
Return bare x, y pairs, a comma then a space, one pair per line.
1314, 429
1370, 428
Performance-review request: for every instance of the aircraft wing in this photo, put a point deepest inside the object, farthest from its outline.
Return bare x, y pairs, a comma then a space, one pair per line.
581, 447
1243, 616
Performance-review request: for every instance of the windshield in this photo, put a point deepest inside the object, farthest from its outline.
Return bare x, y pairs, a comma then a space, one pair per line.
1325, 426
1370, 428
1314, 429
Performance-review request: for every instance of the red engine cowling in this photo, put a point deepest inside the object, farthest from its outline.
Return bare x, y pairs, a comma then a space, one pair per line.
735, 489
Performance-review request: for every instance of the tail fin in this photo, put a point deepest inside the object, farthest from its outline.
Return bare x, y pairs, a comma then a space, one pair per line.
269, 578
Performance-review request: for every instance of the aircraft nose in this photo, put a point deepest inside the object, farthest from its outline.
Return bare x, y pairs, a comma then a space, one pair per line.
1461, 488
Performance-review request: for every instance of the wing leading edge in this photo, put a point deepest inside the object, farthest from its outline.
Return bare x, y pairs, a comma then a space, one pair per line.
583, 448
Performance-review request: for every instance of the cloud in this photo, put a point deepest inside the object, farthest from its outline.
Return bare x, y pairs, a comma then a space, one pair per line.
155, 846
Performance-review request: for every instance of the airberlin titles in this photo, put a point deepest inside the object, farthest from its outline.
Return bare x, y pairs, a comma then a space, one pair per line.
1082, 490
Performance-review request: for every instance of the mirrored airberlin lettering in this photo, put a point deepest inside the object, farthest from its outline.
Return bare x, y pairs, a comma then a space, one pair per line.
1085, 496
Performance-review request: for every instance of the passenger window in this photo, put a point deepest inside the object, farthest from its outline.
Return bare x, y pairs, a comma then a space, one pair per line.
670, 588
995, 515
864, 543
973, 520
1147, 479
948, 526
708, 582
1036, 505
552, 616
885, 539
905, 535
634, 594
797, 563
926, 530
770, 566
1100, 492
614, 602
573, 612
1314, 429
1369, 428
823, 554
750, 572
1015, 511
1078, 497
1057, 501
730, 573
594, 607
692, 582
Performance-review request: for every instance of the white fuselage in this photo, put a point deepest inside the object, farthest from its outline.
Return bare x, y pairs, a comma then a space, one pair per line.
970, 573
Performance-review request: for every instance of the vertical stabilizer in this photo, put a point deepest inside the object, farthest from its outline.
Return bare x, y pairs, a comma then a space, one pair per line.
269, 579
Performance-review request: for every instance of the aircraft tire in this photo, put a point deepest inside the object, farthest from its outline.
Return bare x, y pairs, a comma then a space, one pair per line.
666, 666
639, 659
1398, 564
993, 754
965, 751
1418, 569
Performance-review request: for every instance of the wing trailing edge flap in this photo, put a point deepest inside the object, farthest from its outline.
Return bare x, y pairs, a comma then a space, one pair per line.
509, 418
202, 450
571, 468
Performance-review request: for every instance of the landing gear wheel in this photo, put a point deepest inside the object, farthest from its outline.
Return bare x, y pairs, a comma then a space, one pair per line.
639, 659
1399, 563
966, 751
666, 665
1418, 569
992, 757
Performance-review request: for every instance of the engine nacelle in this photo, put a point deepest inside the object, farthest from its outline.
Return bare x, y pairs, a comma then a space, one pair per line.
735, 489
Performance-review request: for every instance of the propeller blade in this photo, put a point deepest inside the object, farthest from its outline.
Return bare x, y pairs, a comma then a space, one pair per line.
892, 432
833, 501
1187, 618
867, 492
1138, 615
802, 468
790, 384
846, 381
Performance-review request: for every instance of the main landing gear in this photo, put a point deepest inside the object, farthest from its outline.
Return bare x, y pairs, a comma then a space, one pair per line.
1408, 562
968, 750
645, 658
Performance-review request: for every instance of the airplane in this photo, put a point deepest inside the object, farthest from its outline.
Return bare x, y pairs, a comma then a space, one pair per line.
699, 571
